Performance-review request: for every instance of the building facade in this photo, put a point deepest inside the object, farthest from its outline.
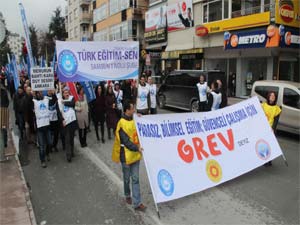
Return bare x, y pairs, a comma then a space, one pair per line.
248, 40
15, 44
78, 20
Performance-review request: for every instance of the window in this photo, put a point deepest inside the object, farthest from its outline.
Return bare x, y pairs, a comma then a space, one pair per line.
215, 10
116, 6
101, 35
264, 90
100, 13
291, 98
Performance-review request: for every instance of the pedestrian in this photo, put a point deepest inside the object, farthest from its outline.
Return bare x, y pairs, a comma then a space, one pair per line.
55, 118
4, 118
20, 108
272, 112
153, 97
127, 150
202, 94
143, 97
98, 111
127, 90
82, 113
41, 110
29, 115
214, 97
119, 98
222, 89
66, 107
111, 113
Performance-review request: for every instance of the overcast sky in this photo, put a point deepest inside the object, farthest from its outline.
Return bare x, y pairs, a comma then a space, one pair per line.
37, 12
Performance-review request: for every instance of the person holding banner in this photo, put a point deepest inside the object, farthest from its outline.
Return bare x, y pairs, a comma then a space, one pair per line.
143, 97
66, 106
272, 112
127, 150
41, 110
82, 113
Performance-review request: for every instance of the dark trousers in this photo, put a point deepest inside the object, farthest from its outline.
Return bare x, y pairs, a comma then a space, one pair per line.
21, 123
44, 140
143, 111
153, 111
82, 136
69, 133
96, 123
54, 129
202, 106
4, 136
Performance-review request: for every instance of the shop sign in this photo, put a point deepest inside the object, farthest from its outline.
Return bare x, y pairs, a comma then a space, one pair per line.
180, 15
287, 12
263, 38
255, 20
154, 2
156, 35
290, 37
176, 54
148, 60
201, 31
191, 56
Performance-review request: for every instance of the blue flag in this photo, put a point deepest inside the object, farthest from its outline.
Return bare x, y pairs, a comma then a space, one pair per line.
15, 72
88, 90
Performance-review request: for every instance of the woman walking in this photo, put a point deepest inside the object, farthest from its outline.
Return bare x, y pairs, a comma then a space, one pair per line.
82, 113
111, 114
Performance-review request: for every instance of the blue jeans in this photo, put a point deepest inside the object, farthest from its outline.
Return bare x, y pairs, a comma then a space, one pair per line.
132, 171
44, 139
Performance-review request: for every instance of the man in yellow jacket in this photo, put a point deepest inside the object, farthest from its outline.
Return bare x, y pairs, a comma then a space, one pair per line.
127, 150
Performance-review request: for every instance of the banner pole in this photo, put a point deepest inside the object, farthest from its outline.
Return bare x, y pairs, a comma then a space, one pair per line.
285, 161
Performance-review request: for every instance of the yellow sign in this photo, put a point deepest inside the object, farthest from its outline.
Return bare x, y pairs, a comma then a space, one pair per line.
255, 20
287, 13
175, 54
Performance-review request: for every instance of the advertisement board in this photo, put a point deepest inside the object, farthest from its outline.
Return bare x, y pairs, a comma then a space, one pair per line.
287, 13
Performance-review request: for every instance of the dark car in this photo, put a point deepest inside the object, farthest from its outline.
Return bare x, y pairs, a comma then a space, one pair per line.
179, 89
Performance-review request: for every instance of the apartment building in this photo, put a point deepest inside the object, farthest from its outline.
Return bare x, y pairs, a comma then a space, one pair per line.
257, 39
78, 20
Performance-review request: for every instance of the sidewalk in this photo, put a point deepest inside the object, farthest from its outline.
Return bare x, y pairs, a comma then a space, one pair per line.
14, 195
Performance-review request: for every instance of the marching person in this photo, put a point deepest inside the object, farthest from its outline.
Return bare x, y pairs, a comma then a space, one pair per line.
4, 119
202, 94
66, 106
29, 115
214, 97
224, 101
41, 110
98, 111
82, 113
153, 100
119, 98
143, 97
127, 150
272, 112
20, 108
111, 114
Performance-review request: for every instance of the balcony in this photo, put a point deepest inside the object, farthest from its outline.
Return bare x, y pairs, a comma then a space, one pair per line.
85, 18
84, 2
254, 10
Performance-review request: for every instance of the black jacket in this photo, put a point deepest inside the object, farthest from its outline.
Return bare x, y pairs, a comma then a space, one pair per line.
4, 98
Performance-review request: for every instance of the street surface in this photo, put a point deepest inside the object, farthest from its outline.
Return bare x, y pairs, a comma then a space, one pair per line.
89, 191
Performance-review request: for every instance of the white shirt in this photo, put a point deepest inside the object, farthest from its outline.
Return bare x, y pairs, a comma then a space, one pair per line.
41, 112
119, 98
52, 110
202, 90
217, 99
141, 101
68, 113
152, 89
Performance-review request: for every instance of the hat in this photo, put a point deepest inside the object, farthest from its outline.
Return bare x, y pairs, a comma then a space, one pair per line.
117, 83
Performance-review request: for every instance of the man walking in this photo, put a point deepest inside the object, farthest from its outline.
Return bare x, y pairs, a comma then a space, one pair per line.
4, 118
153, 102
143, 97
127, 150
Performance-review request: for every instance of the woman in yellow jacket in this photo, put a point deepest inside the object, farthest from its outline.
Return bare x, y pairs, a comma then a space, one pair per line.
272, 112
127, 150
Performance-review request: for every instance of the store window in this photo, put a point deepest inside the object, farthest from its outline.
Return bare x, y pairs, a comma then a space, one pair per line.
215, 10
291, 98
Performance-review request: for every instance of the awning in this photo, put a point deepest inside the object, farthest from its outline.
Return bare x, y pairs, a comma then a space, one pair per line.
156, 46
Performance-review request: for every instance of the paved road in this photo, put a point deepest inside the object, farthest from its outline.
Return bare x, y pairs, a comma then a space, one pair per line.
89, 191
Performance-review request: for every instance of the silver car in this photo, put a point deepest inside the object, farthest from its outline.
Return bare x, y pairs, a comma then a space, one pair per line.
288, 97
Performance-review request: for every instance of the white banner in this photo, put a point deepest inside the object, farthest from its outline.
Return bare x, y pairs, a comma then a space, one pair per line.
156, 18
42, 78
180, 15
96, 61
189, 152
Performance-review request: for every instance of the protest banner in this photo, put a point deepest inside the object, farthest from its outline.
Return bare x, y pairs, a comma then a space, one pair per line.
97, 61
42, 78
189, 152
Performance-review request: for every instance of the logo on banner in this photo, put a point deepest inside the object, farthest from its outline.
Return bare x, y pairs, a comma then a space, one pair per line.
213, 170
67, 63
263, 149
165, 182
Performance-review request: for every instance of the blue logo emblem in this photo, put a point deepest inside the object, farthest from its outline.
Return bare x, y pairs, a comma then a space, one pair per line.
263, 149
66, 108
43, 108
143, 97
203, 92
165, 182
152, 92
67, 63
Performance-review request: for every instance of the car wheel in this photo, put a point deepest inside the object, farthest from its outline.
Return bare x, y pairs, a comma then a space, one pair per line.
162, 101
194, 106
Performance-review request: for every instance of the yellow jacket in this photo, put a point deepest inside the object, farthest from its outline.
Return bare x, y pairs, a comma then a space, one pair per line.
271, 112
129, 128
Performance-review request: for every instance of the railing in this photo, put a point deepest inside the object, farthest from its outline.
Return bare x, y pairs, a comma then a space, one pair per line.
254, 10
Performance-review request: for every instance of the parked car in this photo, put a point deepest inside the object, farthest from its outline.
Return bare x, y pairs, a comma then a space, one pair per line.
179, 89
288, 97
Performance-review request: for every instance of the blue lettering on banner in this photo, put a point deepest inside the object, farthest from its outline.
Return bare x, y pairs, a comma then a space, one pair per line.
165, 182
